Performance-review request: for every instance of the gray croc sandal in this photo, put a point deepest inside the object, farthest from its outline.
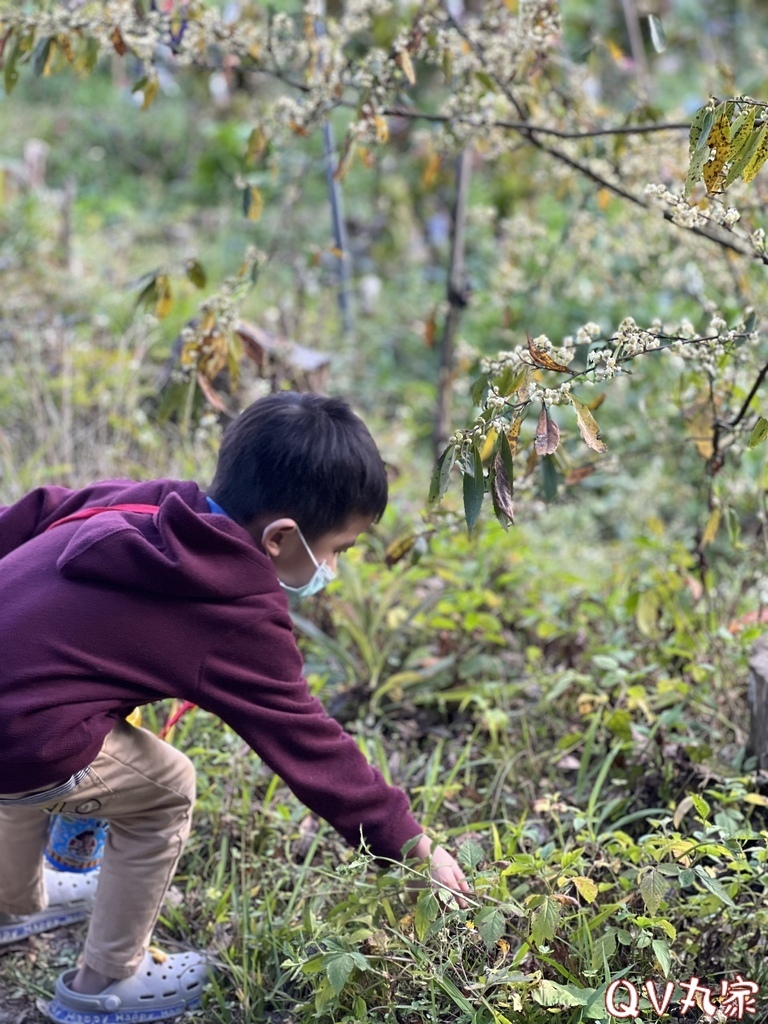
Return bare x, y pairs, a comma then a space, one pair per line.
70, 899
156, 991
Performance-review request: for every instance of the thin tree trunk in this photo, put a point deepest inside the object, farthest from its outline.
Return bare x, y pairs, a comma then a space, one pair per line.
343, 260
636, 44
458, 297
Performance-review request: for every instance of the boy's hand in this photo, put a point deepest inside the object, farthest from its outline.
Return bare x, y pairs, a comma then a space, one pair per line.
443, 868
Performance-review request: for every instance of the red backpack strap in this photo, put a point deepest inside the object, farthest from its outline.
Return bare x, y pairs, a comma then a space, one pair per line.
94, 510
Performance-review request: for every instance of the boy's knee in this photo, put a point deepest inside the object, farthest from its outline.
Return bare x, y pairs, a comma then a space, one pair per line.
185, 778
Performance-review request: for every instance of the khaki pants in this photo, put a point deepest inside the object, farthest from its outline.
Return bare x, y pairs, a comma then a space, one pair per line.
145, 788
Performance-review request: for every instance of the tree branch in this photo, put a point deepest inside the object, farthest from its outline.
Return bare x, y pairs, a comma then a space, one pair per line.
585, 169
743, 411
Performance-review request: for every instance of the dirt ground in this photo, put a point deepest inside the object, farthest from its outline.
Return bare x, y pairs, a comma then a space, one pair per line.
28, 972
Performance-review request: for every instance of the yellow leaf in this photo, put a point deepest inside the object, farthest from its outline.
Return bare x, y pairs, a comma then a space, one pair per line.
253, 202
399, 548
429, 176
346, 159
586, 887
405, 64
490, 441
590, 431
382, 128
544, 360
164, 299
66, 46
257, 143
150, 91
710, 530
720, 140
134, 718
756, 798
615, 51
157, 955
514, 433
647, 614
603, 199
698, 422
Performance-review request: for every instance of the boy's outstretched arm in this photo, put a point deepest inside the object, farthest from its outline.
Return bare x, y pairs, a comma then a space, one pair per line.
443, 868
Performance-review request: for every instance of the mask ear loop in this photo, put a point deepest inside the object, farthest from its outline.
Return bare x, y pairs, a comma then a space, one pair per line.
310, 552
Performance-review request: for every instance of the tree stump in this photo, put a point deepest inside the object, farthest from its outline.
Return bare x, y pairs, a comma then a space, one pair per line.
757, 699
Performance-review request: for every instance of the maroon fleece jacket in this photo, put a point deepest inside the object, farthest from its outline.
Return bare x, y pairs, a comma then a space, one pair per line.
101, 615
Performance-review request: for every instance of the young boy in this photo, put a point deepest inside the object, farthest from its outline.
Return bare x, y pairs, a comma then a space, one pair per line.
124, 593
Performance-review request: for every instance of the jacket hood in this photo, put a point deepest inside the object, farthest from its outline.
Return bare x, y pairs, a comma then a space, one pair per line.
175, 552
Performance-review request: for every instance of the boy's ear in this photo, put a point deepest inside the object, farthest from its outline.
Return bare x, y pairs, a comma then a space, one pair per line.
274, 534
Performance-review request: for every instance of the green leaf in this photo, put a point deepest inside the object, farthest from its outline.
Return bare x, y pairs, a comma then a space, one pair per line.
196, 273
701, 805
40, 55
758, 157
12, 54
324, 996
696, 168
474, 489
661, 951
491, 925
742, 150
338, 967
701, 126
485, 79
759, 432
713, 885
551, 993
544, 920
550, 478
656, 30
148, 295
741, 131
427, 909
91, 54
686, 878
478, 388
441, 475
511, 380
653, 885
470, 854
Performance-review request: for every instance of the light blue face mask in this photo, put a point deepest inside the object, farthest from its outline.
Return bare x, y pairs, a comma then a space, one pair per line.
320, 577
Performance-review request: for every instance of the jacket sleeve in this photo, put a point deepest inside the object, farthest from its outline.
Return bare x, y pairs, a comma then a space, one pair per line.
253, 682
36, 511
31, 515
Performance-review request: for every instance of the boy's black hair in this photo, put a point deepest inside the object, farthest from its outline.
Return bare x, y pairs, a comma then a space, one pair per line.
300, 455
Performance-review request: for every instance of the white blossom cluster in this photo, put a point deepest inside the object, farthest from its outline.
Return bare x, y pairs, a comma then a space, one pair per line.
687, 215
